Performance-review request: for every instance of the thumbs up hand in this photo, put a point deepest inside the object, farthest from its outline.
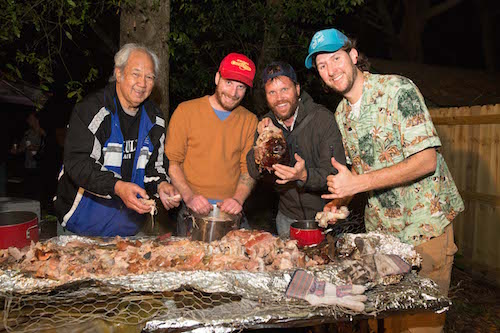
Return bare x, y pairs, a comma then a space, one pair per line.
343, 184
287, 174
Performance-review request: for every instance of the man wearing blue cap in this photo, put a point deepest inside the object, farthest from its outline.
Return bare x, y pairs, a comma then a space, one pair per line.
312, 137
391, 142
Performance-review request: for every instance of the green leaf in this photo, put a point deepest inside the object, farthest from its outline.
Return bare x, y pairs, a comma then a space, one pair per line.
71, 94
71, 3
70, 37
44, 87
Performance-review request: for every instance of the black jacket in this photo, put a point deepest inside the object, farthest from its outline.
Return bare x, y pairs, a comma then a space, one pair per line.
88, 132
316, 138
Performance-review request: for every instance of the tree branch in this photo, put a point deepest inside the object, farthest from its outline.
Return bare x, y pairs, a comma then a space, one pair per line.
109, 44
442, 7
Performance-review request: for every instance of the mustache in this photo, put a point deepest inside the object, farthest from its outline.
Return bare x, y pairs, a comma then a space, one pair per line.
282, 102
230, 97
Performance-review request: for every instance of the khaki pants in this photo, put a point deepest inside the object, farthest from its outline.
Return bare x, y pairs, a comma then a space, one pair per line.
437, 261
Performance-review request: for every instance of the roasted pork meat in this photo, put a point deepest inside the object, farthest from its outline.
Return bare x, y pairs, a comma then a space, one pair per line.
271, 148
251, 250
323, 218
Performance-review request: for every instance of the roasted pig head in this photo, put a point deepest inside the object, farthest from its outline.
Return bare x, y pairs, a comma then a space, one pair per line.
271, 148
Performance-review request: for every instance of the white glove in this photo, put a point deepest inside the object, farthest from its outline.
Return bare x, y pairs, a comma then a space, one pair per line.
306, 286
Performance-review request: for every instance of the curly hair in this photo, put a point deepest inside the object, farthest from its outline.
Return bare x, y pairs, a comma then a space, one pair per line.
363, 63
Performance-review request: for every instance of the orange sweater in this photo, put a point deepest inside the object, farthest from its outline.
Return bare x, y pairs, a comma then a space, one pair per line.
212, 152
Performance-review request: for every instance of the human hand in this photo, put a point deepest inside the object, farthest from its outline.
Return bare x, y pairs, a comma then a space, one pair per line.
288, 174
230, 206
331, 215
128, 193
169, 195
198, 204
333, 205
343, 184
263, 124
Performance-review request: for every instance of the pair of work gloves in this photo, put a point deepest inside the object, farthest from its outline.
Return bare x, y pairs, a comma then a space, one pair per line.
370, 266
316, 292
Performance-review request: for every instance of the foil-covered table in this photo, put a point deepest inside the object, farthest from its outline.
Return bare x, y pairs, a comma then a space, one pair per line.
198, 301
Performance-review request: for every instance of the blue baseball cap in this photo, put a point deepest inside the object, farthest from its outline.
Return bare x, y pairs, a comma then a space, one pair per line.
328, 40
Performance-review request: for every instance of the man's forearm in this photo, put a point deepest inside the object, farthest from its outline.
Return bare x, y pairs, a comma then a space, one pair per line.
179, 180
414, 167
244, 188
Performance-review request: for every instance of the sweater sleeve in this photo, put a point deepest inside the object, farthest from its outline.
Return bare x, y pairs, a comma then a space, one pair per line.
253, 169
248, 143
177, 136
83, 149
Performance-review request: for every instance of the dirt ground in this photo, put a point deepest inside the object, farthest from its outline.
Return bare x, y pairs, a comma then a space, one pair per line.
476, 304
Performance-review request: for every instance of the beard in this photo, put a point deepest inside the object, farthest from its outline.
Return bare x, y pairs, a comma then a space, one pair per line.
284, 117
228, 106
351, 78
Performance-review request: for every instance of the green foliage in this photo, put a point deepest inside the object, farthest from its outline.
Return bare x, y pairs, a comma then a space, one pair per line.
202, 32
39, 37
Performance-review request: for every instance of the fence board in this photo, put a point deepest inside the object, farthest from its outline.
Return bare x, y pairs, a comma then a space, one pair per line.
470, 138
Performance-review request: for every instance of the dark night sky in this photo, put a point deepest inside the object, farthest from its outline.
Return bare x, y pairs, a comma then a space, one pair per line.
451, 39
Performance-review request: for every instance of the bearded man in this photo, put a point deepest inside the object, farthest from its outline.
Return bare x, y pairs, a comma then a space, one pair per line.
313, 138
394, 150
207, 142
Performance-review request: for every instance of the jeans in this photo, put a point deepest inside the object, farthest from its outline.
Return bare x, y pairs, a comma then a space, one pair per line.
283, 224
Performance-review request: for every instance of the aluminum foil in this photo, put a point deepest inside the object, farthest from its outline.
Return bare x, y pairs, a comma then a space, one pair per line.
412, 293
260, 301
384, 244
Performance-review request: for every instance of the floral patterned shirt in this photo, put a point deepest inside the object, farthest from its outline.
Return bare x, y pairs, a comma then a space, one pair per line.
393, 124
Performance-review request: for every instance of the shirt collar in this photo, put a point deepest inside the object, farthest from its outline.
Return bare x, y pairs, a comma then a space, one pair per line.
282, 123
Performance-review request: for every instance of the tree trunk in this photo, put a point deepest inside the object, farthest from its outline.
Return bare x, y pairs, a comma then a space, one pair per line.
410, 36
487, 34
148, 23
268, 52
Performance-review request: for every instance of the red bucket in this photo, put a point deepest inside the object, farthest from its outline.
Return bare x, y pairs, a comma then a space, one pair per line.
306, 233
18, 229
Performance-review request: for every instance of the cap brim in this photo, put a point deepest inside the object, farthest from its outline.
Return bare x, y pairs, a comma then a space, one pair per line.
230, 75
325, 48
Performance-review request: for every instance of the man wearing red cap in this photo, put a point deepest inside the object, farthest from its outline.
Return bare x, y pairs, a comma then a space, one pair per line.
207, 142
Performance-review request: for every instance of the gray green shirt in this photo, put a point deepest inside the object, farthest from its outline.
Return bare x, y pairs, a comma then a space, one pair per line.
393, 124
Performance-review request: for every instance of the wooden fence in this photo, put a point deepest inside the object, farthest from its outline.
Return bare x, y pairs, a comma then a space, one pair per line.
470, 145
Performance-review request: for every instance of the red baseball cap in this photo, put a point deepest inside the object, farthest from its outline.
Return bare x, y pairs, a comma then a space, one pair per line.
237, 67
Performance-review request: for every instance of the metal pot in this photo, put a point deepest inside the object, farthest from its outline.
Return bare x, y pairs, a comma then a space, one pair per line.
306, 232
18, 229
214, 225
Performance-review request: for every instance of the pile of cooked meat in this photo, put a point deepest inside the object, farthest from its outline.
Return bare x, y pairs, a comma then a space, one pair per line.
250, 250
